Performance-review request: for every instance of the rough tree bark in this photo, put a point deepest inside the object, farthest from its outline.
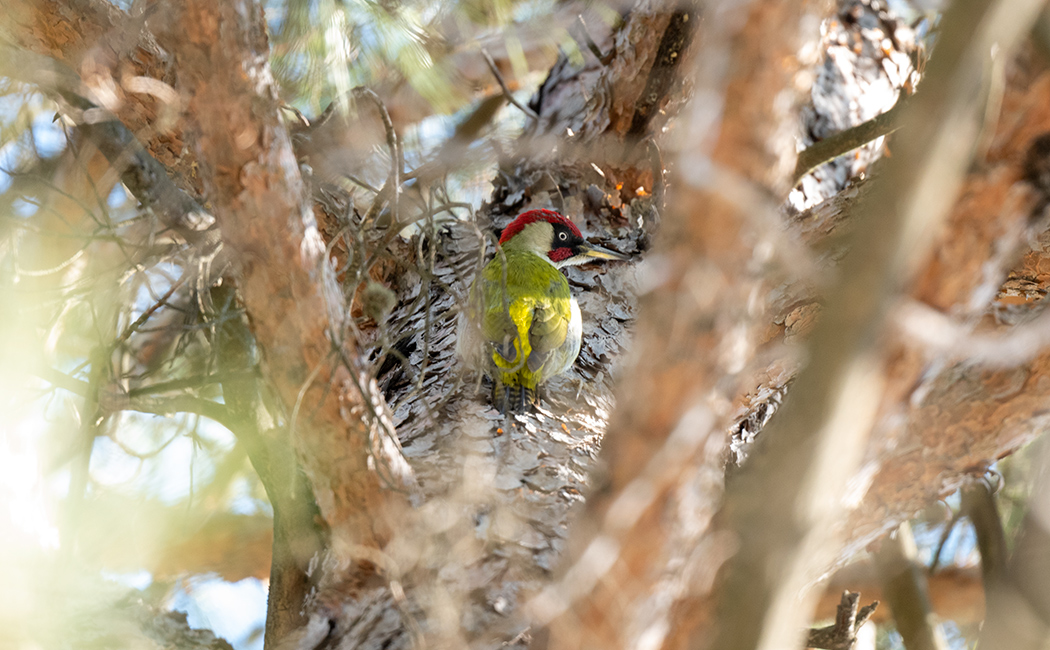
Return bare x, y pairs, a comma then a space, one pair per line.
666, 443
501, 493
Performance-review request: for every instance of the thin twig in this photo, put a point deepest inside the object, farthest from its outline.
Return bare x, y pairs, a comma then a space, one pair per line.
506, 91
62, 380
298, 114
110, 403
195, 381
307, 383
394, 182
945, 534
591, 45
177, 404
365, 184
141, 320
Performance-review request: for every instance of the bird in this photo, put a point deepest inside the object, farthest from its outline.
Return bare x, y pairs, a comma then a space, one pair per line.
521, 324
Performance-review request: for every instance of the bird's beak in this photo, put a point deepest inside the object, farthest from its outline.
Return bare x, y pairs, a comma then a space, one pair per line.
597, 252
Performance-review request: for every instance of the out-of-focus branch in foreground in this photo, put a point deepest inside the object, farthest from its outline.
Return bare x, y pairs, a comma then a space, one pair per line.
791, 493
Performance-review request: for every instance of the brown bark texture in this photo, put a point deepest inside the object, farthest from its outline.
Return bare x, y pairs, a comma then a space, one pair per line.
501, 492
665, 440
133, 76
286, 284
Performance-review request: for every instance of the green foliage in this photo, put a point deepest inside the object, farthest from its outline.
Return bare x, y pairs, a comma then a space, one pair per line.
323, 48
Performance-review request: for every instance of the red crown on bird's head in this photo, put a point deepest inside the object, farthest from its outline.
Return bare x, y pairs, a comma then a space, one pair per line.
525, 218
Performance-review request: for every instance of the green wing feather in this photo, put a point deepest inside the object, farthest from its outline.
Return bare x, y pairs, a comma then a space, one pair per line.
547, 333
526, 317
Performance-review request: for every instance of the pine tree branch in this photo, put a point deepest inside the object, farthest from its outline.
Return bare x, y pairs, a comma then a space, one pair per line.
297, 535
837, 144
111, 402
1017, 594
296, 309
906, 593
785, 500
141, 173
978, 503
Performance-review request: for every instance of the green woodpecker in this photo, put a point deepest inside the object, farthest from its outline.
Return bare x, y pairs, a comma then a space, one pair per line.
523, 326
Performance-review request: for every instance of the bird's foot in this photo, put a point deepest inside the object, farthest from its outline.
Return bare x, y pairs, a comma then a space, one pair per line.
513, 399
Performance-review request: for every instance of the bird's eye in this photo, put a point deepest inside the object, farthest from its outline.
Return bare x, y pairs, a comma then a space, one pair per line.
563, 236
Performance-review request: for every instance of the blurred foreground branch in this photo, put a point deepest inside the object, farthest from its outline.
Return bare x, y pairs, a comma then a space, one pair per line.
286, 284
843, 142
644, 537
904, 586
296, 537
1017, 591
790, 494
141, 173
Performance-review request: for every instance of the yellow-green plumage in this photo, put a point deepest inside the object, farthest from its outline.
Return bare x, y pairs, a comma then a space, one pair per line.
522, 325
527, 317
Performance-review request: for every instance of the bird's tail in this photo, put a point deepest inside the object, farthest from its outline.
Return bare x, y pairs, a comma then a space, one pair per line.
512, 398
